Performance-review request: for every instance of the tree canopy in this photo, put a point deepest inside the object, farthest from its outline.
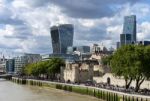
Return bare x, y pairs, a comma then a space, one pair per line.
49, 67
132, 62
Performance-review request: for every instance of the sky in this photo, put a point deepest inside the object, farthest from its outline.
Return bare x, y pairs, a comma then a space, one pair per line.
25, 24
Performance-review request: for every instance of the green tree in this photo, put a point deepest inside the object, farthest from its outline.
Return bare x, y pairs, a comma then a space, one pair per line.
142, 65
132, 62
31, 69
54, 66
50, 67
122, 63
106, 60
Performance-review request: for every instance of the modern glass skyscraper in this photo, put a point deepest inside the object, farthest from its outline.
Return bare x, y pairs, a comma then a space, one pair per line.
125, 39
129, 26
10, 65
129, 31
62, 37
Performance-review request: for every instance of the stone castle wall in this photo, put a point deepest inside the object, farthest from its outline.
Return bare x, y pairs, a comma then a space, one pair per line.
118, 81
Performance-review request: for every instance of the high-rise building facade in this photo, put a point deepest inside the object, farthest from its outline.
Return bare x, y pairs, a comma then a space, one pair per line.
19, 63
22, 61
129, 31
125, 39
10, 65
129, 27
62, 37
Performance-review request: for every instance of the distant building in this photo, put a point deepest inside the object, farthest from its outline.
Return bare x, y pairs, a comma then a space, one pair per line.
145, 43
83, 52
77, 72
32, 58
125, 39
129, 31
2, 68
82, 71
3, 65
71, 49
129, 26
10, 65
85, 69
62, 37
118, 45
81, 49
100, 49
65, 57
25, 59
19, 63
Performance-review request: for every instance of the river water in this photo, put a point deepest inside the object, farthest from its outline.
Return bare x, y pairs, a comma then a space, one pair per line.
10, 91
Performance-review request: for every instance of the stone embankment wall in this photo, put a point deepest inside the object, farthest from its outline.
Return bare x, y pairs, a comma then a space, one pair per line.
119, 81
106, 95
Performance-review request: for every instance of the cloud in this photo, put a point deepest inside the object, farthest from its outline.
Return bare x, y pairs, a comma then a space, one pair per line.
90, 9
143, 31
25, 24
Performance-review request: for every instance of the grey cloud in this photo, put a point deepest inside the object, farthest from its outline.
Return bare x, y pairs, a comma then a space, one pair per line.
73, 8
83, 8
7, 20
90, 8
8, 47
94, 33
6, 17
21, 32
37, 3
43, 44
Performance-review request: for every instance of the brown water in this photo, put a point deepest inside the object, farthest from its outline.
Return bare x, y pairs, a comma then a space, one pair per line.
13, 92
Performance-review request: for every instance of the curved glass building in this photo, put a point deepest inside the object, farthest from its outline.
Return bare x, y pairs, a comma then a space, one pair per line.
62, 37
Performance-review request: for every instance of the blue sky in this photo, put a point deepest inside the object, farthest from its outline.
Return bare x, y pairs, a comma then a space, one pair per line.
25, 24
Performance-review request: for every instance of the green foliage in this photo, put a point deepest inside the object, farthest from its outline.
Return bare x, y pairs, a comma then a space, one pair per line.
54, 65
132, 62
49, 67
106, 60
122, 61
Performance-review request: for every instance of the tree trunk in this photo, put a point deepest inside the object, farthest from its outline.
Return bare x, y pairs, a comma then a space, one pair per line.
128, 83
138, 83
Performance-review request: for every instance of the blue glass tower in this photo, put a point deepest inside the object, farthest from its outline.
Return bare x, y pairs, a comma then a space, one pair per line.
10, 65
129, 27
62, 37
129, 31
125, 39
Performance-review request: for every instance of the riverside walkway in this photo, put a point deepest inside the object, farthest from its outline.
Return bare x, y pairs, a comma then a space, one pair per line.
121, 94
112, 91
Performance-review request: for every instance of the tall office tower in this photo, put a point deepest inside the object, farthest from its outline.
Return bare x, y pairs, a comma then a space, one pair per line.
125, 39
62, 37
129, 26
